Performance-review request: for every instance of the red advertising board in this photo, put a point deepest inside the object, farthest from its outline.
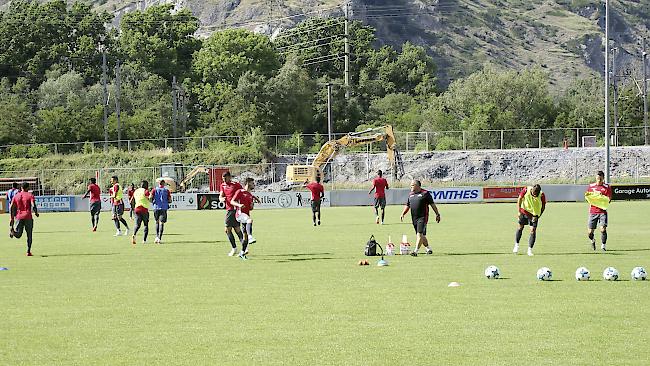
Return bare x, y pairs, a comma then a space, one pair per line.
501, 193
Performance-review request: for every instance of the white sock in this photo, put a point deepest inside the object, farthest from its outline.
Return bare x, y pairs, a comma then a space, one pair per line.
427, 248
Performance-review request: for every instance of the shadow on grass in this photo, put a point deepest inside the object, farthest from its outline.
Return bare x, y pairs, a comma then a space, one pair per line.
628, 250
292, 254
289, 260
485, 253
77, 255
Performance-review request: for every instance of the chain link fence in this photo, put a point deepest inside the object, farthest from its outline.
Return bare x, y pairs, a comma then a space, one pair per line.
407, 142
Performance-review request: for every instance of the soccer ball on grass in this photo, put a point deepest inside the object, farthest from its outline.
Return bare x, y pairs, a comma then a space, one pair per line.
582, 274
610, 274
544, 274
492, 272
639, 274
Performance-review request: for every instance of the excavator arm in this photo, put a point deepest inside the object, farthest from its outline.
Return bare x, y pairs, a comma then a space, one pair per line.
190, 176
332, 148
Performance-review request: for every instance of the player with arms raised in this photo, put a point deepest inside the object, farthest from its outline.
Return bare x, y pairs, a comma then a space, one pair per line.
418, 203
317, 194
599, 195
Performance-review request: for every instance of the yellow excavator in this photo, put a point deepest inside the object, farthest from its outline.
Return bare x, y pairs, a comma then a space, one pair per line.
301, 173
172, 173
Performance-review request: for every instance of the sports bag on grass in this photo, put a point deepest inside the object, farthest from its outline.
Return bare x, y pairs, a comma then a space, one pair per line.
371, 247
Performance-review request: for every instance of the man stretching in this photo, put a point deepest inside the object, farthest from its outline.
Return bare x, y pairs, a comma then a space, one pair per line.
21, 208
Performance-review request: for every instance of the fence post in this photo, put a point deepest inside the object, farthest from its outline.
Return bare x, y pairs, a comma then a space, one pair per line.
636, 173
299, 135
464, 141
165, 144
407, 142
276, 144
577, 137
128, 145
426, 139
575, 180
56, 149
501, 139
540, 138
239, 141
202, 143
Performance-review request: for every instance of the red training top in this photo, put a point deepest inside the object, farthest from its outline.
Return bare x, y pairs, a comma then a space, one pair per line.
316, 190
521, 195
605, 190
95, 192
23, 202
129, 193
380, 185
229, 190
246, 199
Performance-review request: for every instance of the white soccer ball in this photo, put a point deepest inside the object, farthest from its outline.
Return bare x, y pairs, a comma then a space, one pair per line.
610, 274
582, 274
544, 274
492, 272
639, 274
243, 218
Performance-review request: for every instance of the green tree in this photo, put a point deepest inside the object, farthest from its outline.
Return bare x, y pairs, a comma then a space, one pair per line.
16, 119
159, 40
35, 37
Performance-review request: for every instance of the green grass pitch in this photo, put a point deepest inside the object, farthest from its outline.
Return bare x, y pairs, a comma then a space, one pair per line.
91, 299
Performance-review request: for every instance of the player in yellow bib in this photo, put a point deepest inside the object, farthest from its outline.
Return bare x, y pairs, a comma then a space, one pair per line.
142, 204
530, 207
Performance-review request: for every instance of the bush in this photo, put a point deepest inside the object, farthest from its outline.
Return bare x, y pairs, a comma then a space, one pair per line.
37, 151
88, 148
18, 151
449, 143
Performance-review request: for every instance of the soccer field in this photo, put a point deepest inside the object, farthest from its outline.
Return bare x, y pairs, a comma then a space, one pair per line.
92, 299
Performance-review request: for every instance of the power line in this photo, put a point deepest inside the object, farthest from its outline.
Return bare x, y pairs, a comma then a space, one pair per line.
310, 41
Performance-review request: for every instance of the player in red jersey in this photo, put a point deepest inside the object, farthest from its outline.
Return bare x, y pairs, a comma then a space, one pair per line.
129, 195
599, 196
21, 209
226, 193
379, 185
243, 200
317, 193
94, 192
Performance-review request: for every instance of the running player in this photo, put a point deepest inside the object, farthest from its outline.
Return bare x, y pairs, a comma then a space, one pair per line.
95, 203
129, 196
226, 193
379, 185
21, 208
161, 196
530, 207
118, 206
243, 201
599, 195
418, 203
141, 210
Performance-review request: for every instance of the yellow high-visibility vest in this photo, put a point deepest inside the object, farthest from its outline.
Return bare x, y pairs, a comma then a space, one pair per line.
597, 199
141, 199
531, 203
118, 193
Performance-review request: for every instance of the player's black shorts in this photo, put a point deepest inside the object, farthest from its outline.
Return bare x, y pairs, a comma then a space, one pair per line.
380, 202
160, 215
420, 225
118, 210
231, 219
95, 208
525, 220
142, 218
597, 219
315, 206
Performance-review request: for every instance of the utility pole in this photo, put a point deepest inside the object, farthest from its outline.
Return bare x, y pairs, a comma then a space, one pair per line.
118, 92
347, 50
329, 111
645, 93
614, 80
607, 142
105, 104
174, 108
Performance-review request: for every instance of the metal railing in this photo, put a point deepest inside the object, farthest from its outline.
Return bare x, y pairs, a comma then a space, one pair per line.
298, 144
